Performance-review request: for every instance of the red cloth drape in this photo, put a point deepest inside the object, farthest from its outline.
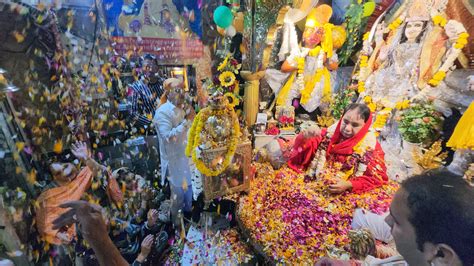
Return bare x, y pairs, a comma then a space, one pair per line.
339, 149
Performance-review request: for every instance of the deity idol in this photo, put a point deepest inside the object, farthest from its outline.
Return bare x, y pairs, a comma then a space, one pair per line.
306, 72
415, 57
415, 54
398, 65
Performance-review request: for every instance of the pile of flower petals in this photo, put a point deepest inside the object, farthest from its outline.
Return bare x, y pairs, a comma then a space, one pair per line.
299, 222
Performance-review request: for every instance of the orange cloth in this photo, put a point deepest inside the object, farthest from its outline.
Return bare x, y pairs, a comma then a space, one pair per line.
48, 205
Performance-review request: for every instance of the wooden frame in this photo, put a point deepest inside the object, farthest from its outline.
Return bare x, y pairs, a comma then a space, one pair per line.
213, 187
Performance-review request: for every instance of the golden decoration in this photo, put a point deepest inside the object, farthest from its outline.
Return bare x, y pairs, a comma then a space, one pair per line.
325, 119
469, 175
362, 243
431, 158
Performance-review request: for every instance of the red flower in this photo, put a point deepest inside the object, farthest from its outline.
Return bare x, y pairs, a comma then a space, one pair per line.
234, 62
286, 119
272, 131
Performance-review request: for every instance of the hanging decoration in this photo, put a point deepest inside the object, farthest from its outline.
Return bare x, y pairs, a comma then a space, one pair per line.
356, 19
369, 8
223, 17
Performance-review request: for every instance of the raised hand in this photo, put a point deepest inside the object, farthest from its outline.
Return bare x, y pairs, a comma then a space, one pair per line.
313, 131
152, 217
89, 217
79, 149
146, 246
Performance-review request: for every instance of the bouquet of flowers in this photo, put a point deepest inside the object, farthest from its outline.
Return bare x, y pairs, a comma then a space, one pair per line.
225, 79
420, 123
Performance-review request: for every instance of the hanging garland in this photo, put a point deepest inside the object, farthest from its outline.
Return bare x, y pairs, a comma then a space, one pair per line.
193, 147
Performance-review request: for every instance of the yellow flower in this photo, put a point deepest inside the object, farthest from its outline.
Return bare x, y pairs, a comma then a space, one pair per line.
395, 24
464, 35
366, 36
223, 64
361, 87
439, 20
367, 99
227, 79
434, 82
403, 105
439, 76
462, 41
235, 101
372, 106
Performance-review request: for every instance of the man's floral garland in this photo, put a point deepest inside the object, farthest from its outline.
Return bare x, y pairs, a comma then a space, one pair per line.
193, 147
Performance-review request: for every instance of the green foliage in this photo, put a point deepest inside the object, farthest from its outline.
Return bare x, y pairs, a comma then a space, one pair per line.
355, 24
420, 123
341, 100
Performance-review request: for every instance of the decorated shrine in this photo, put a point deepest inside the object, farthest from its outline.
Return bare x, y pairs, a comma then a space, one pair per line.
230, 132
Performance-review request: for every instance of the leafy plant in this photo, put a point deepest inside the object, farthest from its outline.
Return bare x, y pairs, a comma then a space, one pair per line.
342, 99
355, 24
420, 123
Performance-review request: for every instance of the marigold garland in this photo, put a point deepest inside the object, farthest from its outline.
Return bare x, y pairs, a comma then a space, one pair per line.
194, 139
461, 41
395, 24
382, 119
402, 105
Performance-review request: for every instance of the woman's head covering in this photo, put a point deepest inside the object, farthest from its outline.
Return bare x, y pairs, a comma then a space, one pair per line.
345, 147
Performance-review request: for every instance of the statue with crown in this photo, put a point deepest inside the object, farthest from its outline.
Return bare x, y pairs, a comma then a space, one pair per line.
304, 80
400, 61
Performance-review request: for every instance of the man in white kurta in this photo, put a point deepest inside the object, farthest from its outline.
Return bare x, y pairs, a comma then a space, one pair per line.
172, 124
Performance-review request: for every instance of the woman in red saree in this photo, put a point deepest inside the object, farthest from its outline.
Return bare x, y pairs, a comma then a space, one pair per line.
335, 182
349, 152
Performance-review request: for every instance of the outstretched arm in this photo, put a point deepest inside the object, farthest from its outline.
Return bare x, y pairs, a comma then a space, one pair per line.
79, 149
92, 226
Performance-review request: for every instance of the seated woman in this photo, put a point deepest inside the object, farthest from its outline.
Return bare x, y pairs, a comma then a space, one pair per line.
305, 210
349, 152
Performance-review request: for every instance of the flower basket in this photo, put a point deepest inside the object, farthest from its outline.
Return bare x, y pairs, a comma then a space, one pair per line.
235, 178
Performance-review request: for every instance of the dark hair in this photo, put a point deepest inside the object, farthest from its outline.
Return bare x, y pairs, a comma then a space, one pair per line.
418, 39
441, 208
150, 57
363, 109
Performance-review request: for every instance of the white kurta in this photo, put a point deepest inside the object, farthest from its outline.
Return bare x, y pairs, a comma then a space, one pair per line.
172, 128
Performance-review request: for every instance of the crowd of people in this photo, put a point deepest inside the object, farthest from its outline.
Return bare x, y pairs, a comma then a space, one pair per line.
138, 209
431, 217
